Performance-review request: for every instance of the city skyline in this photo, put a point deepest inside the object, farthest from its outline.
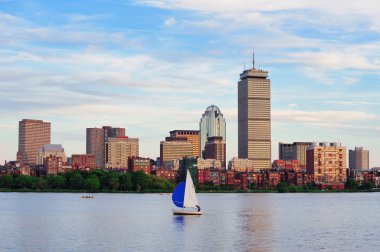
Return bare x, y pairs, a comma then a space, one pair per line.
79, 68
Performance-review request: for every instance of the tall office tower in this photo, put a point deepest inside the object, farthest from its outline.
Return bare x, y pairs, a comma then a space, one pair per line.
327, 162
299, 151
55, 150
96, 139
119, 149
254, 118
32, 135
212, 124
359, 159
174, 148
216, 149
285, 151
192, 137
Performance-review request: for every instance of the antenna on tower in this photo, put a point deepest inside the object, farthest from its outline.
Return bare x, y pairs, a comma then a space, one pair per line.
253, 58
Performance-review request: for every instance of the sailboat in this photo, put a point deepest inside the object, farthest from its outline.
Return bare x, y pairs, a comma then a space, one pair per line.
185, 199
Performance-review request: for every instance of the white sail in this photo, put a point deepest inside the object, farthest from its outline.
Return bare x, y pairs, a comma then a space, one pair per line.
190, 199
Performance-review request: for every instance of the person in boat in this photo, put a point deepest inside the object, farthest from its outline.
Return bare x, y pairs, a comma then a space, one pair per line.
198, 207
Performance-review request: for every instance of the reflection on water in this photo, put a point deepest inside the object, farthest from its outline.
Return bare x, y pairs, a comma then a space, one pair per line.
231, 222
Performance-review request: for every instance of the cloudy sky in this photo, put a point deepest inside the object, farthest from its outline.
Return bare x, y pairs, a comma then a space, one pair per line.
155, 65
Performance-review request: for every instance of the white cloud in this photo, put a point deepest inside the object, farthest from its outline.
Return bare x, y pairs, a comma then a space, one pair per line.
170, 21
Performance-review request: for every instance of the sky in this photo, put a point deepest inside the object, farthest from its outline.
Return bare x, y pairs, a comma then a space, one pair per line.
153, 66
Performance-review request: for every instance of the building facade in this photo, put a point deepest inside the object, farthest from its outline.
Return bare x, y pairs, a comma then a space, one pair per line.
83, 161
254, 118
359, 159
48, 150
285, 151
53, 165
193, 136
212, 124
327, 163
32, 135
299, 151
175, 148
215, 148
96, 139
139, 164
241, 165
119, 149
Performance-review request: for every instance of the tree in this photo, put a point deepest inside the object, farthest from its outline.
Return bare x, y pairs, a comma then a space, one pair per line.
140, 181
6, 181
39, 183
56, 182
23, 182
125, 181
92, 183
76, 181
282, 187
252, 186
368, 186
352, 185
113, 181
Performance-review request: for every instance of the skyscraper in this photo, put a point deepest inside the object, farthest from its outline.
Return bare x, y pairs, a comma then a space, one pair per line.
32, 135
212, 124
254, 119
359, 159
96, 139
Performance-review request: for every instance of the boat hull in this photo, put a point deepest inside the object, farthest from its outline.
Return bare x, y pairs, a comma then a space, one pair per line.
185, 212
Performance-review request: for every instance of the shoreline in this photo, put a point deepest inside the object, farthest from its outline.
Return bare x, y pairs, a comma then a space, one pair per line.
164, 191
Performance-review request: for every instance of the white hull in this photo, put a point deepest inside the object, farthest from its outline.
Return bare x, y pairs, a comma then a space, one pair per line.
186, 212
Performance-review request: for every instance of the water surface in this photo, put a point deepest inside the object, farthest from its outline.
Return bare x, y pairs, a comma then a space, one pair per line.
231, 222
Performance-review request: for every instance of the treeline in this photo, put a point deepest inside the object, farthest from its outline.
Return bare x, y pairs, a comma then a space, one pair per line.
93, 181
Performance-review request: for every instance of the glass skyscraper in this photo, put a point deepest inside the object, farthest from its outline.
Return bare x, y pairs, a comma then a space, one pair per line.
212, 124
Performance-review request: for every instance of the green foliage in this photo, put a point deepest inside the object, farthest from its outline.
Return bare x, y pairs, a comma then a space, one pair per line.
367, 186
352, 185
252, 186
56, 182
6, 181
75, 181
282, 187
125, 182
92, 183
39, 184
113, 181
140, 181
23, 182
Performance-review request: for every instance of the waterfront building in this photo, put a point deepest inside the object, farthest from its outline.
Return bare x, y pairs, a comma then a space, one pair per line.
216, 149
327, 163
51, 150
209, 164
165, 173
299, 151
241, 165
32, 135
119, 149
288, 165
254, 118
285, 151
192, 136
139, 164
174, 148
212, 124
359, 159
83, 161
53, 165
96, 139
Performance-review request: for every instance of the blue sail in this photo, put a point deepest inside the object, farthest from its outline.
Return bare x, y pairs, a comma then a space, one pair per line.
179, 194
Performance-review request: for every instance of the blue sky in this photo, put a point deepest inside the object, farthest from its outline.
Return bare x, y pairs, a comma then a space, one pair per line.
155, 65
